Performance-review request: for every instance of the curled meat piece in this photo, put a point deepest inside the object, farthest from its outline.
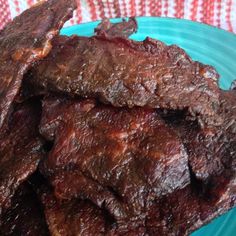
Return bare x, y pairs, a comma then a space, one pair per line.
25, 40
211, 151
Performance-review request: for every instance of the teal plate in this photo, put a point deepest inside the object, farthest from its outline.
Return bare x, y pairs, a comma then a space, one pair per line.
204, 43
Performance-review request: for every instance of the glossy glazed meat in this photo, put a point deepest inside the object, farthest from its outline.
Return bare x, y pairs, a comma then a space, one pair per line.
25, 216
119, 158
126, 73
211, 155
25, 40
20, 149
120, 29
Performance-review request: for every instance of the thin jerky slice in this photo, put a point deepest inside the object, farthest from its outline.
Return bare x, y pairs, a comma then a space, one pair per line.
211, 151
25, 40
123, 72
25, 216
20, 150
120, 29
118, 158
188, 209
75, 217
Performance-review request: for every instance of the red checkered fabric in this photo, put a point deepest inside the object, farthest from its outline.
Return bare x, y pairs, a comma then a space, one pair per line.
220, 13
5, 14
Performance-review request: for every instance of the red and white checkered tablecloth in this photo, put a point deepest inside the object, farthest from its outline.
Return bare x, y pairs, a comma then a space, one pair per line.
220, 13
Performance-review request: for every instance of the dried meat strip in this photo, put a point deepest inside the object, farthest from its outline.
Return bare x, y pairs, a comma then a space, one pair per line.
69, 218
86, 163
20, 150
211, 151
123, 72
176, 214
25, 40
188, 209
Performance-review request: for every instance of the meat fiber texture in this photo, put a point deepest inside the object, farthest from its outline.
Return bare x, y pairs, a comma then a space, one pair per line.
108, 136
204, 144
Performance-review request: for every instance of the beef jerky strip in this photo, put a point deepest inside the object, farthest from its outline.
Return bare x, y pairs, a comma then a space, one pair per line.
25, 40
117, 157
69, 218
79, 217
20, 150
25, 216
177, 213
120, 29
210, 152
188, 209
123, 72
220, 144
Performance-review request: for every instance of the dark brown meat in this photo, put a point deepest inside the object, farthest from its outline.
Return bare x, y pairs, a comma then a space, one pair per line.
228, 108
20, 150
25, 217
70, 218
119, 168
111, 156
212, 155
123, 72
121, 29
25, 40
211, 151
118, 158
188, 209
176, 214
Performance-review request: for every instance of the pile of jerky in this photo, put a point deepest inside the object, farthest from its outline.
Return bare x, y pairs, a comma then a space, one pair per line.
104, 135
